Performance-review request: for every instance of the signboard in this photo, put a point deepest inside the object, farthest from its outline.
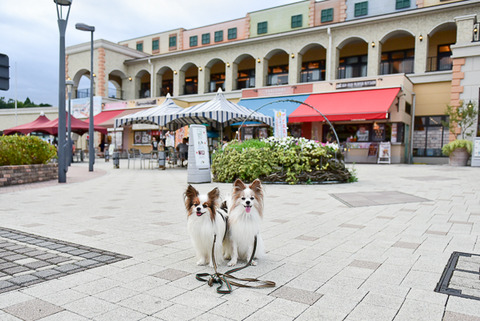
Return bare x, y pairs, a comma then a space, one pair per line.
476, 152
356, 84
81, 106
384, 153
280, 129
198, 155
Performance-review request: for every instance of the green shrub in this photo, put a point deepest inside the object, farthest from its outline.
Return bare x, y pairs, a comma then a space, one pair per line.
459, 143
291, 160
25, 150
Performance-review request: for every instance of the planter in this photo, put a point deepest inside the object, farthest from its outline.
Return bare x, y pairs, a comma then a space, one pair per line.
459, 157
25, 174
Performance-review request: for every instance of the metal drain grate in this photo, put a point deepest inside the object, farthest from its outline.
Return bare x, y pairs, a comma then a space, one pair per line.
461, 276
27, 259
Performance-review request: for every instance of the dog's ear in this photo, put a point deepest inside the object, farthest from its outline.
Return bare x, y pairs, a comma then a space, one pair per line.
256, 185
189, 195
257, 188
239, 185
214, 194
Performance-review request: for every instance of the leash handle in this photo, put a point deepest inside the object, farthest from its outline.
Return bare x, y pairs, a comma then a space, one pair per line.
222, 278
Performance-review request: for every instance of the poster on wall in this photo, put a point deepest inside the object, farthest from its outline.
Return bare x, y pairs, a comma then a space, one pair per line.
81, 107
280, 129
200, 146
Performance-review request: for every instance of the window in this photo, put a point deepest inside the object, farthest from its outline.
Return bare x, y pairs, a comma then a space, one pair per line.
218, 36
327, 15
232, 33
262, 27
205, 39
395, 62
193, 41
140, 46
277, 75
313, 71
402, 4
351, 67
361, 9
444, 54
172, 41
297, 21
429, 136
155, 44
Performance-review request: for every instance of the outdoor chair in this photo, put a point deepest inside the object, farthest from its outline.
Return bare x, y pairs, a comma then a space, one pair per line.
134, 154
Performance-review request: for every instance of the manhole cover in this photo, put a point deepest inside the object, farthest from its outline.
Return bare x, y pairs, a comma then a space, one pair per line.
461, 276
361, 199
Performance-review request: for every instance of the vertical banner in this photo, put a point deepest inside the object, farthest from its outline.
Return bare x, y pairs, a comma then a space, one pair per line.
198, 169
200, 146
280, 129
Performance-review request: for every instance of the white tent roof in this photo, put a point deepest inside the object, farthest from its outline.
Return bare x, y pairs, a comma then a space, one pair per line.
152, 115
219, 112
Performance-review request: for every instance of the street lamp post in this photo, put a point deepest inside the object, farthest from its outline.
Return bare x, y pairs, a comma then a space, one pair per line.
69, 128
62, 26
91, 151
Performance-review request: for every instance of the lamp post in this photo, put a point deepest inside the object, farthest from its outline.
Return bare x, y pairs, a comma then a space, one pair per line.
69, 128
62, 26
91, 151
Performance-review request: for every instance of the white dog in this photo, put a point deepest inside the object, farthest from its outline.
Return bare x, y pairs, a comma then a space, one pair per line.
205, 221
245, 213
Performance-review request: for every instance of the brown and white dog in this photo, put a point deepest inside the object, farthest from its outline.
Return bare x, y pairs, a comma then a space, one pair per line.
204, 221
245, 213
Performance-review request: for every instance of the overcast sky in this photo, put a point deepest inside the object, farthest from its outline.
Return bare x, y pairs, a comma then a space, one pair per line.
29, 32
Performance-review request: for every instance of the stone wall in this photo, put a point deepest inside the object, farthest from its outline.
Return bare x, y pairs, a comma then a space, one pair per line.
25, 174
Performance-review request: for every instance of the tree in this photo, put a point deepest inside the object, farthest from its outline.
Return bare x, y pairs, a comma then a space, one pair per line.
463, 117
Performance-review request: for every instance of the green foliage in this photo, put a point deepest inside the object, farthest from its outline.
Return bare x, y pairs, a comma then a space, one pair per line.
289, 160
25, 150
459, 143
463, 116
11, 103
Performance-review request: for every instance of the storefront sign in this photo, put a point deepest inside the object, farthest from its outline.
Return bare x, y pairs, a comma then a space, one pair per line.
356, 84
280, 129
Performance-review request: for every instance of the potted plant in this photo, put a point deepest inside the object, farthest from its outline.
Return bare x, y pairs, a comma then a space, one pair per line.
461, 124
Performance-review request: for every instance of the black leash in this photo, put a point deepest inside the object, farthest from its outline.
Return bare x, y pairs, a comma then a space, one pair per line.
222, 278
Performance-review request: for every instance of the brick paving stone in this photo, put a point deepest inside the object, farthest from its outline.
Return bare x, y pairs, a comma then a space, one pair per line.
33, 309
296, 295
15, 270
171, 274
23, 279
48, 274
37, 265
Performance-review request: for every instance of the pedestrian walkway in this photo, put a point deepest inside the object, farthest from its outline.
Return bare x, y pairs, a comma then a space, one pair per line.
113, 245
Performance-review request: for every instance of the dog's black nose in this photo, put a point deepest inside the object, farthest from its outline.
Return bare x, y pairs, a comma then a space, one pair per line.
247, 202
199, 208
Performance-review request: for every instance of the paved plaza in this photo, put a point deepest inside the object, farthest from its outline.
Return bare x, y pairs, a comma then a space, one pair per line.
402, 243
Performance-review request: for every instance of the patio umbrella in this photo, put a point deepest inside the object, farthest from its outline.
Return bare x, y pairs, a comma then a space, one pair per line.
78, 127
28, 127
218, 112
155, 115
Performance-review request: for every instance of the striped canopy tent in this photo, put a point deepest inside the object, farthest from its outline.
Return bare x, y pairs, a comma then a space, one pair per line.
218, 112
155, 115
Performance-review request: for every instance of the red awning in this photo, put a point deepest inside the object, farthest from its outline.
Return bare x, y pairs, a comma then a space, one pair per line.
348, 105
105, 115
107, 118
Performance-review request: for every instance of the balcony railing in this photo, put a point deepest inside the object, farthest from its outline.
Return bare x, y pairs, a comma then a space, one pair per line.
277, 79
83, 93
439, 64
404, 66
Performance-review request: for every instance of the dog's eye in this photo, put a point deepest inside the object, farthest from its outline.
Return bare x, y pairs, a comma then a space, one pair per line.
243, 198
252, 198
205, 205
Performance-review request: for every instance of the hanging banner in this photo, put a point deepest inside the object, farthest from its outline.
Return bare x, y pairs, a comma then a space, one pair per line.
280, 129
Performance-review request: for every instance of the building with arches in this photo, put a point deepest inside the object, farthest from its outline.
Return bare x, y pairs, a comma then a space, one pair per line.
309, 51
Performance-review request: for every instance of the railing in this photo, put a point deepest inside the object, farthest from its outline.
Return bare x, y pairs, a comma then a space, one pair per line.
312, 75
246, 83
83, 93
114, 93
404, 66
277, 79
436, 64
